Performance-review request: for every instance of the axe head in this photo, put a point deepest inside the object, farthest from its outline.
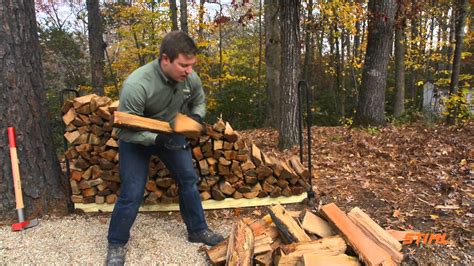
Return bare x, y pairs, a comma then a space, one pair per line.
24, 225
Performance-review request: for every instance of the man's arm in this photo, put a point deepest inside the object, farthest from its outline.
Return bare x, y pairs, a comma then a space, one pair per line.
132, 101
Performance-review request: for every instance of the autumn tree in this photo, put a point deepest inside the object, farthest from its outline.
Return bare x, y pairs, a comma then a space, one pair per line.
290, 71
22, 105
371, 106
96, 45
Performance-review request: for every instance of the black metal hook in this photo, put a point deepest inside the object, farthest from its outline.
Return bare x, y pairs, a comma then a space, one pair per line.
301, 84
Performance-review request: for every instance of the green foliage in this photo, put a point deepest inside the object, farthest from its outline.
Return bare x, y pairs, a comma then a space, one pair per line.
238, 103
457, 108
374, 131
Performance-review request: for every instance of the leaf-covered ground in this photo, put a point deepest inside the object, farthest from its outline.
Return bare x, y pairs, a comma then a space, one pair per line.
412, 177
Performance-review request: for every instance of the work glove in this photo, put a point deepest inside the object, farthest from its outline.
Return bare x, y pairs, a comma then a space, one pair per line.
197, 118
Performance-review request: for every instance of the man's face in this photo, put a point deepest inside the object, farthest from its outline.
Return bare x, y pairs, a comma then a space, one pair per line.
180, 68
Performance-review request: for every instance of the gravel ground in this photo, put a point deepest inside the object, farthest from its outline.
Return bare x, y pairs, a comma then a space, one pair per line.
81, 239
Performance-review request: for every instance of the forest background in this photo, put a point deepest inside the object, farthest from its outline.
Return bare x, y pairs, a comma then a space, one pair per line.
240, 60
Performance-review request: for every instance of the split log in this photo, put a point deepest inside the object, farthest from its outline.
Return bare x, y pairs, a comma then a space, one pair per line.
339, 260
240, 247
125, 120
329, 246
369, 252
376, 233
288, 227
316, 225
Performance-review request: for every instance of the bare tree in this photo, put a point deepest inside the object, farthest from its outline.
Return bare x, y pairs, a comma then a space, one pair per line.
22, 105
371, 105
290, 73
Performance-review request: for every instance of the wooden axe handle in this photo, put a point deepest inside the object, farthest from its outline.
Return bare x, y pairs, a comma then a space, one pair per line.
15, 168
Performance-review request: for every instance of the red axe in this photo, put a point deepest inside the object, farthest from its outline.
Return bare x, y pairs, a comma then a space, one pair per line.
22, 224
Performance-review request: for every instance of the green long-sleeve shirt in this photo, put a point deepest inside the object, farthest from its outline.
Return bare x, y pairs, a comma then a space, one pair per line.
149, 93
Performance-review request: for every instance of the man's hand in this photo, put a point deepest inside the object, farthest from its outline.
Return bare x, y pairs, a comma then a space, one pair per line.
197, 118
161, 139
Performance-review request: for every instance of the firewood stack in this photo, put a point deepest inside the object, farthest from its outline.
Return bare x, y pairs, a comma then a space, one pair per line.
304, 238
228, 166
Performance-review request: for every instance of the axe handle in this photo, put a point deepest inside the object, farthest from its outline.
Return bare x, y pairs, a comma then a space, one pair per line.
15, 169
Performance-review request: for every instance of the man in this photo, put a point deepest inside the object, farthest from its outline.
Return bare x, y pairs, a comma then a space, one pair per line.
160, 90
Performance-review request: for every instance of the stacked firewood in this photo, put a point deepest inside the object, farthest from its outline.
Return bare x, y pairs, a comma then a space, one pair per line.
228, 166
329, 237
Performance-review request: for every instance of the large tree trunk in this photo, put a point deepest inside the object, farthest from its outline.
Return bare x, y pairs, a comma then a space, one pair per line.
96, 45
173, 15
183, 16
290, 71
399, 103
22, 105
371, 106
462, 6
273, 62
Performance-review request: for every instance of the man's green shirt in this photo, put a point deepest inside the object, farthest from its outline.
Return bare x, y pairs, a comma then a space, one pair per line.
149, 93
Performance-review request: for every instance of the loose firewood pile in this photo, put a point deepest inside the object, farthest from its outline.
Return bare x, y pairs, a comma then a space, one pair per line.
228, 166
304, 238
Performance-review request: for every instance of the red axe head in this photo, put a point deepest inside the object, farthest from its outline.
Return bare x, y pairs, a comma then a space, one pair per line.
24, 225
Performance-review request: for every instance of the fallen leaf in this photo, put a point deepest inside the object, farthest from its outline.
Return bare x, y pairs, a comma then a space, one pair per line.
434, 216
396, 213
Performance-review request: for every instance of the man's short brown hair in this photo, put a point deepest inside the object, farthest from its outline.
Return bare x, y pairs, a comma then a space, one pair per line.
177, 42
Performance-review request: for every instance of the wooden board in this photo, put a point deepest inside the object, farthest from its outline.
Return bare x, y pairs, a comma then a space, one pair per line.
207, 204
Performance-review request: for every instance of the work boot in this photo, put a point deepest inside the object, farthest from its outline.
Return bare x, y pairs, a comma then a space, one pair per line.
205, 236
115, 256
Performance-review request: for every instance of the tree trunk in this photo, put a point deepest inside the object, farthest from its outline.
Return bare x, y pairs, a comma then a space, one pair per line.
173, 15
450, 51
201, 19
183, 8
414, 47
290, 71
308, 59
22, 105
273, 62
462, 6
259, 65
96, 45
399, 103
371, 106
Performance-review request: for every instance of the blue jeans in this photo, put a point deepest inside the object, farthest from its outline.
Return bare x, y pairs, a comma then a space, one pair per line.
133, 167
